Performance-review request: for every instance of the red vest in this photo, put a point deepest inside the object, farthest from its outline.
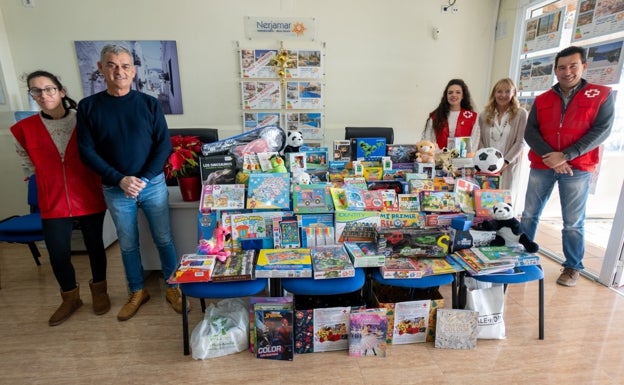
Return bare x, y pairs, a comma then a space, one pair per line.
66, 187
560, 129
465, 121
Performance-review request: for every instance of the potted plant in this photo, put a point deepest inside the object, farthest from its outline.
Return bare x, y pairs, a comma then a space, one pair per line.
183, 164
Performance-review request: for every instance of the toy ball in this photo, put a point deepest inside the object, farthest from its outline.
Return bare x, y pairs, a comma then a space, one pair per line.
488, 160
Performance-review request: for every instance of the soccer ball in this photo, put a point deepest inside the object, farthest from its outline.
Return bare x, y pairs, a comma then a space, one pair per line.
488, 160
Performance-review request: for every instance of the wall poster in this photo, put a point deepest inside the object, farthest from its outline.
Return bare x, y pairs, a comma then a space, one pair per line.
255, 120
604, 62
261, 95
304, 95
256, 63
598, 17
309, 123
285, 87
157, 70
536, 74
543, 32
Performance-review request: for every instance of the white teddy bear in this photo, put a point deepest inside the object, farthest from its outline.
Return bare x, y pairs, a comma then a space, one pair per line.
300, 177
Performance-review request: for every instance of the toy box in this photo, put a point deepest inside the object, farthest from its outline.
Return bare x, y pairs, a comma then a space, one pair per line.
312, 198
439, 201
387, 297
412, 242
414, 219
368, 148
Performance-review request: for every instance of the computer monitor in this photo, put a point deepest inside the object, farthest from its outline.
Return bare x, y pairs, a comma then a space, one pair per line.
370, 132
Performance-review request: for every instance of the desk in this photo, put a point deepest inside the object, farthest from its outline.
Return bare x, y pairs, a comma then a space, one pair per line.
183, 216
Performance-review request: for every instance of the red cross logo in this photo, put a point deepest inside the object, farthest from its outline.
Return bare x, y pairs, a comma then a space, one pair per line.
592, 93
467, 114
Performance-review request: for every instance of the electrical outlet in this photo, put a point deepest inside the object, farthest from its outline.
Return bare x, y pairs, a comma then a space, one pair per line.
445, 9
454, 9
28, 3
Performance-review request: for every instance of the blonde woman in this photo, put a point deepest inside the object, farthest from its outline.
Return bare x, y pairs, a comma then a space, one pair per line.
502, 124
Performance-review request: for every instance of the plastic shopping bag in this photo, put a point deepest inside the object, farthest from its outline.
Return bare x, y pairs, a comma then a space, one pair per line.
224, 330
490, 303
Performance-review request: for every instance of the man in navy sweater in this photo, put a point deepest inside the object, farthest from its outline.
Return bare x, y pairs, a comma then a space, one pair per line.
123, 136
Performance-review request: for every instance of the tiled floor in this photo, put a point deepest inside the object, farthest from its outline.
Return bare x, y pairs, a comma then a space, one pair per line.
596, 237
583, 343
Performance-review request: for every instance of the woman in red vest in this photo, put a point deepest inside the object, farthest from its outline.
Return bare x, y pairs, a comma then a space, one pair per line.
69, 192
454, 117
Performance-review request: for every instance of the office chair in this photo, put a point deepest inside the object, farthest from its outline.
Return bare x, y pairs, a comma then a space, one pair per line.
25, 228
370, 132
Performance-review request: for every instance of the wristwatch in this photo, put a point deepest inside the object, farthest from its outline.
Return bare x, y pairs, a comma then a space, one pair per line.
566, 156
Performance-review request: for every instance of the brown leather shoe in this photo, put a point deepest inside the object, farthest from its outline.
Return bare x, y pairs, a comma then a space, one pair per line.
71, 303
174, 297
568, 277
135, 300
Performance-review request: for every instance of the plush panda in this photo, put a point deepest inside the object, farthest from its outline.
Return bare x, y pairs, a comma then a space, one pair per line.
294, 140
507, 228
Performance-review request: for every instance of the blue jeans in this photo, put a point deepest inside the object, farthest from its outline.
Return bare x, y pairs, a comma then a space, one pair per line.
154, 201
573, 193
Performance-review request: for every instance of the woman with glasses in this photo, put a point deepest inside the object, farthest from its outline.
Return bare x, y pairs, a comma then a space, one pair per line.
502, 125
69, 192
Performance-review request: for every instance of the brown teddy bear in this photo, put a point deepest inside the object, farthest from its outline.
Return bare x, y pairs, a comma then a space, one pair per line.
425, 151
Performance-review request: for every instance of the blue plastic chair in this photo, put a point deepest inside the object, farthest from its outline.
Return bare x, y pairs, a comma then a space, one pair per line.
25, 228
311, 286
428, 282
529, 273
204, 290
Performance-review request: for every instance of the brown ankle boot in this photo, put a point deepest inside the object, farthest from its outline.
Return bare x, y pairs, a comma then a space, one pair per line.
71, 302
101, 301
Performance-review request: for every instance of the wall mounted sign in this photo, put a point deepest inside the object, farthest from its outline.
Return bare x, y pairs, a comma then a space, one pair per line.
280, 28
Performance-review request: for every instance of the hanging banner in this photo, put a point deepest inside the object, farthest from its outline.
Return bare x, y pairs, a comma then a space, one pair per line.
604, 62
280, 28
543, 32
598, 17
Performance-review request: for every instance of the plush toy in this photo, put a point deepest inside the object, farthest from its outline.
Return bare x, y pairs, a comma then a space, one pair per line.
215, 246
425, 151
444, 160
294, 140
300, 177
507, 228
278, 164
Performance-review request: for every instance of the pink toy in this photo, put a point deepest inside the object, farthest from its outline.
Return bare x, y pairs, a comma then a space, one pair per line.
215, 246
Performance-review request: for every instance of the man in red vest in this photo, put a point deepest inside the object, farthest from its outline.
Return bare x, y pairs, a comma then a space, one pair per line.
566, 126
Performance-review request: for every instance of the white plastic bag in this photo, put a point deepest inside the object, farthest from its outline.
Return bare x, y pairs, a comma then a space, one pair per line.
224, 330
490, 303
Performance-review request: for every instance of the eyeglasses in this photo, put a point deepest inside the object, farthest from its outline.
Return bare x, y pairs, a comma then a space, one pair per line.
36, 92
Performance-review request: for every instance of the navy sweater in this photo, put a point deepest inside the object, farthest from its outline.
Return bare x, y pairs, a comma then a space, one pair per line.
123, 136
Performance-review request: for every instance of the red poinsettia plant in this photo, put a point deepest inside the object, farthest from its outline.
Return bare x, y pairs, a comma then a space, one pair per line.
184, 159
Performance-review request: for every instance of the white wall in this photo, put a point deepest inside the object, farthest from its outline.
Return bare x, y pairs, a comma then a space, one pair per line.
382, 65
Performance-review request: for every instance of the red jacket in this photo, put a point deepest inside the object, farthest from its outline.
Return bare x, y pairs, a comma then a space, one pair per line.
465, 121
66, 187
562, 128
